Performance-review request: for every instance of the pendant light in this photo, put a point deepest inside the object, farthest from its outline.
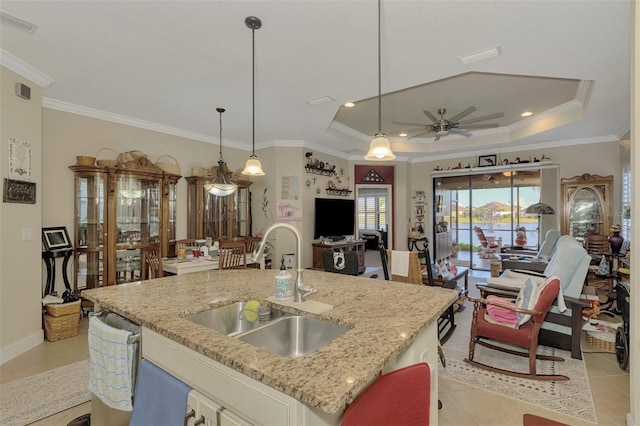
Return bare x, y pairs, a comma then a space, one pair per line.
221, 185
253, 166
379, 148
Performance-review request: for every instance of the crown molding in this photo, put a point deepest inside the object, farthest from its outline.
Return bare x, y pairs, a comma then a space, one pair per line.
27, 71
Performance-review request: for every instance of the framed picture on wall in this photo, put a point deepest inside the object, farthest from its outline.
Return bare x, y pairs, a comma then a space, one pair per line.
487, 160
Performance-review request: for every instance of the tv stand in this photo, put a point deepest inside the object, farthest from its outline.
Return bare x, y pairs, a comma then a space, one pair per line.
357, 246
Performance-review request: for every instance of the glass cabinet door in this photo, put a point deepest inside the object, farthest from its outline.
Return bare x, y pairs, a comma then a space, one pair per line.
586, 214
137, 223
587, 206
90, 228
239, 221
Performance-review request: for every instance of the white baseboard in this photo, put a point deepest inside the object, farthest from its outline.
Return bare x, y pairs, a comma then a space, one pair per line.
630, 421
21, 346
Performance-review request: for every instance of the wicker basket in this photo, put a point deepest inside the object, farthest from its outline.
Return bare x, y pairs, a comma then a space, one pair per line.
172, 168
601, 339
84, 160
200, 171
104, 162
63, 309
57, 328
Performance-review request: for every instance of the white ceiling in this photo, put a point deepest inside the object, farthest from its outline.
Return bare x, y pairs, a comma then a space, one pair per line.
167, 65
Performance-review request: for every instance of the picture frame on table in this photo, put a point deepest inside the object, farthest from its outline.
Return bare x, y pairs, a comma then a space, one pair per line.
487, 160
56, 238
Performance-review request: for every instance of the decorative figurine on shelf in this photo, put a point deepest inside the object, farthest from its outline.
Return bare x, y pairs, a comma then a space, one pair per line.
603, 268
616, 239
309, 156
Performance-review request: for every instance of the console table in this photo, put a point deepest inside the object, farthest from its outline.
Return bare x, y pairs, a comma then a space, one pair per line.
49, 257
357, 246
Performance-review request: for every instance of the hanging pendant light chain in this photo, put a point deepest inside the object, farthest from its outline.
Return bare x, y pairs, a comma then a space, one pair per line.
220, 110
379, 70
253, 91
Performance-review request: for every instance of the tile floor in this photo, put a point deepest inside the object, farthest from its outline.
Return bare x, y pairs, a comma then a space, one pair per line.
462, 404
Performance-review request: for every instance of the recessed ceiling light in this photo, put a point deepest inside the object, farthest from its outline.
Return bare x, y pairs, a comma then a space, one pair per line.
402, 135
526, 114
320, 101
349, 105
480, 55
18, 23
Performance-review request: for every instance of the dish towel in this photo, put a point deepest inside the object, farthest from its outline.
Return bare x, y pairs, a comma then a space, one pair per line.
161, 399
400, 263
111, 361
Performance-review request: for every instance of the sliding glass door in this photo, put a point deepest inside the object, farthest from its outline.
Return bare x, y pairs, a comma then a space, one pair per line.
484, 213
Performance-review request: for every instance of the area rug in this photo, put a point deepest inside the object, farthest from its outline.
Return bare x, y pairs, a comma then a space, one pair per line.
42, 395
572, 397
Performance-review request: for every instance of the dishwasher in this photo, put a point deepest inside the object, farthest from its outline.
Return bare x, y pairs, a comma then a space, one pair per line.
101, 413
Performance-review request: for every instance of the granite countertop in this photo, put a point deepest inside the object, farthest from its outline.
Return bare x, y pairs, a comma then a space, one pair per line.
384, 316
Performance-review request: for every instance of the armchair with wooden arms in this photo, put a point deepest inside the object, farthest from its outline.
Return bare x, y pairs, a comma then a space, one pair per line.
484, 327
562, 326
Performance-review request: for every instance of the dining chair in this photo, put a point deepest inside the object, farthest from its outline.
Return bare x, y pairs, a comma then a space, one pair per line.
401, 397
184, 243
151, 263
233, 256
414, 271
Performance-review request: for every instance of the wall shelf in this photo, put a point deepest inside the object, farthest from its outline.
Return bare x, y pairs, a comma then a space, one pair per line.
319, 171
343, 192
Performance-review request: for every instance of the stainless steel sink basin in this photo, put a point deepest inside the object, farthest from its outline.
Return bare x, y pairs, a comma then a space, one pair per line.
293, 336
230, 319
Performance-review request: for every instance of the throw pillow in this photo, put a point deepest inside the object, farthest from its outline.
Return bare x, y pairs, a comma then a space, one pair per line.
527, 299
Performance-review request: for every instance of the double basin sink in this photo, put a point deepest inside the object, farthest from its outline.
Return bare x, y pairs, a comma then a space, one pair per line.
283, 334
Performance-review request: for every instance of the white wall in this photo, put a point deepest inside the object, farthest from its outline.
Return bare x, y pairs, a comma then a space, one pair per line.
20, 276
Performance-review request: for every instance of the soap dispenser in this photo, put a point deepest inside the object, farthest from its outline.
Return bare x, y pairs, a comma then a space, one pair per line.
283, 283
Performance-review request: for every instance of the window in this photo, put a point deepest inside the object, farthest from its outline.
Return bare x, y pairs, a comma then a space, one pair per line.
373, 209
625, 225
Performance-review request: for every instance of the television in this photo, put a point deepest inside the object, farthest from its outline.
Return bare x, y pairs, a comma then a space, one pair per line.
334, 218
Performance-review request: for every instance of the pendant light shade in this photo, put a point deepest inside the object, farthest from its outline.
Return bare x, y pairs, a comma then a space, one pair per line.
379, 148
253, 166
221, 185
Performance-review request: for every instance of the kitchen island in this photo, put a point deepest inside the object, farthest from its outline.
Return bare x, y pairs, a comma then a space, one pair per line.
391, 325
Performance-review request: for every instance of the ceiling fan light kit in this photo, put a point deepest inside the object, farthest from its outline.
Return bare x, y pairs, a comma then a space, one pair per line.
380, 147
253, 167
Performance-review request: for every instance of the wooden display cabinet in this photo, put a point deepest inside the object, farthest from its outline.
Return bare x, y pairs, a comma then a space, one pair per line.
357, 246
119, 211
587, 205
221, 218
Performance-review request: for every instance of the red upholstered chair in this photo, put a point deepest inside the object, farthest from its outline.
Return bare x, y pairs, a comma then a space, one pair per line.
526, 336
400, 397
488, 247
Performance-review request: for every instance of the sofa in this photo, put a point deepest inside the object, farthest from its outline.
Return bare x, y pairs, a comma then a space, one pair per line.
562, 326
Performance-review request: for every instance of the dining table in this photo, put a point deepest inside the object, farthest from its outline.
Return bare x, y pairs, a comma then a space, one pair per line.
175, 266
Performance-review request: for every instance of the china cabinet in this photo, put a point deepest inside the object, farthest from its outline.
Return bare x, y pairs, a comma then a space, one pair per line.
119, 211
587, 205
221, 218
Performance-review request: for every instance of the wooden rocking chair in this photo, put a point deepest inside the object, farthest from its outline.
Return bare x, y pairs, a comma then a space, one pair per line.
526, 336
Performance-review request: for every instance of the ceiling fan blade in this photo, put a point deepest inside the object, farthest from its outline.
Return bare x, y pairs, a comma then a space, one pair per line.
431, 116
460, 132
484, 117
419, 134
437, 138
462, 114
411, 124
479, 126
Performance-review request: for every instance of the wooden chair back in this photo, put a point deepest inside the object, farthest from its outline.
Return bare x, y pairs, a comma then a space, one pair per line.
151, 263
597, 244
415, 271
233, 256
184, 243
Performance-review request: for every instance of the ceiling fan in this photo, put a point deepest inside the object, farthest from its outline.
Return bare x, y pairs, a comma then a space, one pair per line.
442, 127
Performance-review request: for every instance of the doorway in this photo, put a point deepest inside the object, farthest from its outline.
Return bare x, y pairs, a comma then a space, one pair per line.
374, 212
